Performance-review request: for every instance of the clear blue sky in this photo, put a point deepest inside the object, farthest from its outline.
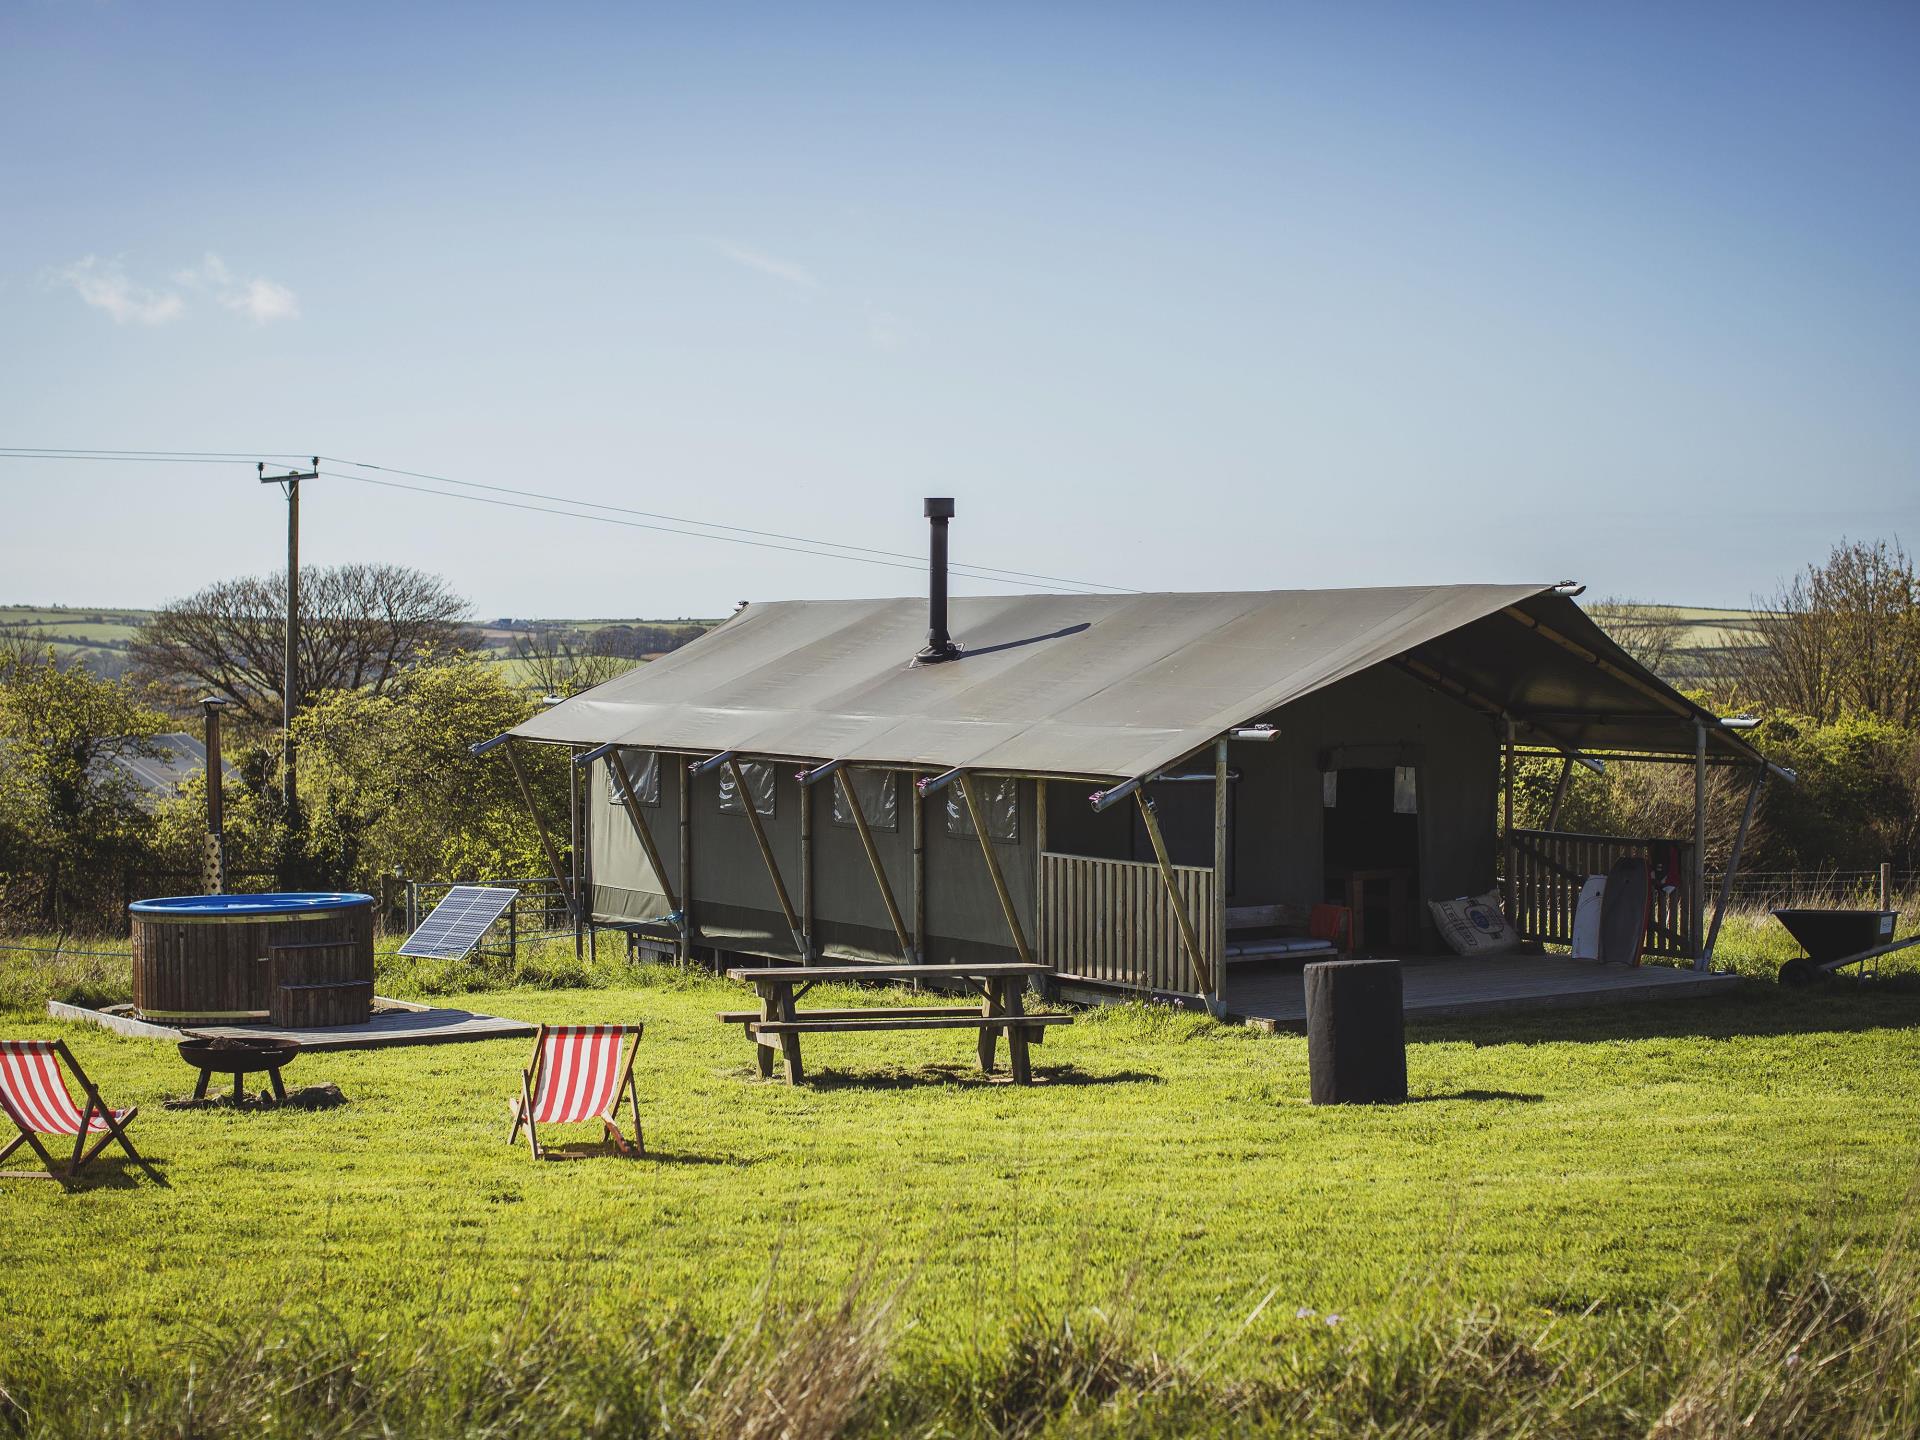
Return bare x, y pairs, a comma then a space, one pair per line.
1195, 296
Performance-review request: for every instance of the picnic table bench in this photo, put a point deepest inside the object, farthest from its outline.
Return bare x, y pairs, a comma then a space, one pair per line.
779, 1024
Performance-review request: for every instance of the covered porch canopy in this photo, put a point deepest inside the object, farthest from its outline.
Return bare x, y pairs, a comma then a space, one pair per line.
1117, 689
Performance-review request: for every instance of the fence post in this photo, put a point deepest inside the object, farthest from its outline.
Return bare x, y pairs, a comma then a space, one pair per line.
1886, 885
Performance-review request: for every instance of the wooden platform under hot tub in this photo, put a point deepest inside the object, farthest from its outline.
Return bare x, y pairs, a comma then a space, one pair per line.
394, 1022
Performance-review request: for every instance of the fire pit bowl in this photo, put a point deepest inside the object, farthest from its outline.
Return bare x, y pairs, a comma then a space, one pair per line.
239, 1057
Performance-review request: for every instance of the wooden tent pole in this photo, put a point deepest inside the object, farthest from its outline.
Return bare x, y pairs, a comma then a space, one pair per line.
873, 858
1697, 871
806, 869
630, 802
1506, 827
546, 840
1220, 839
919, 870
993, 868
1574, 647
683, 782
1733, 864
766, 854
1202, 971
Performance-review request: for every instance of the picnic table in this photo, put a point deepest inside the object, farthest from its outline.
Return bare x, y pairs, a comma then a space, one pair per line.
780, 1024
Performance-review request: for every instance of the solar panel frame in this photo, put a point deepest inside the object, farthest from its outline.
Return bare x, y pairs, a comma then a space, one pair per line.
459, 922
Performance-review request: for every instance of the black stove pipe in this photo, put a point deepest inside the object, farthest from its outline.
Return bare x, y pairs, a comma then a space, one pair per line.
940, 646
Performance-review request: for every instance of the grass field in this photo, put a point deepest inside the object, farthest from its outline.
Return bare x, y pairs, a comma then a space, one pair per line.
1163, 1218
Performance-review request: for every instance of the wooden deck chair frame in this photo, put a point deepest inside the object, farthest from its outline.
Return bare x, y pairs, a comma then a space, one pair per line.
82, 1156
522, 1109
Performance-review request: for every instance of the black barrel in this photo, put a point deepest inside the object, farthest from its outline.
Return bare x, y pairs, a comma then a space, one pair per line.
1356, 1033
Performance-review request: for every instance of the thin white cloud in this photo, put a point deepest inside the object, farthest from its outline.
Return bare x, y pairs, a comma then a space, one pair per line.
794, 274
105, 286
261, 300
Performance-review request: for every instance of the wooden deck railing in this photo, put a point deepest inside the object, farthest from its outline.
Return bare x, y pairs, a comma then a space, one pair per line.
1110, 921
1550, 867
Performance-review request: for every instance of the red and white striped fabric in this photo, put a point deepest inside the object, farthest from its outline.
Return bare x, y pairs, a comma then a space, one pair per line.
35, 1094
579, 1072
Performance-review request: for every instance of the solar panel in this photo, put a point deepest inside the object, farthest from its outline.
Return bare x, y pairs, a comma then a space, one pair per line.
459, 921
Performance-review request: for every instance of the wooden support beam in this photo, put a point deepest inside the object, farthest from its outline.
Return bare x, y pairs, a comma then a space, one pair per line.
1202, 971
859, 813
546, 840
1697, 877
766, 854
806, 868
1220, 839
630, 802
1508, 879
919, 818
684, 784
965, 782
1733, 864
1039, 884
1573, 647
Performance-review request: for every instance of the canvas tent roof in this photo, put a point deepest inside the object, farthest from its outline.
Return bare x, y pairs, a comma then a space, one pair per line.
1112, 685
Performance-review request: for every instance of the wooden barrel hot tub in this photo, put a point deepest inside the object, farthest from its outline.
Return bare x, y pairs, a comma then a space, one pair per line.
299, 960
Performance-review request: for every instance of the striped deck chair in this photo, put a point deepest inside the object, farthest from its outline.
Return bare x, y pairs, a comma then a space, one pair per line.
577, 1075
35, 1097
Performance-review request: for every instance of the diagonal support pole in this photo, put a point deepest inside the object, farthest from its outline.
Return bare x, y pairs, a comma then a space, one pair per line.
630, 802
1203, 972
993, 868
766, 854
873, 859
546, 840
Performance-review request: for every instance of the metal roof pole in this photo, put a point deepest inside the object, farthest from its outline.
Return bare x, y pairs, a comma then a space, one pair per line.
993, 868
1202, 970
859, 814
1733, 864
1221, 839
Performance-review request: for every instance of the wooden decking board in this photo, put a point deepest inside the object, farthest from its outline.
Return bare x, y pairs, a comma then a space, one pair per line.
402, 1025
1436, 987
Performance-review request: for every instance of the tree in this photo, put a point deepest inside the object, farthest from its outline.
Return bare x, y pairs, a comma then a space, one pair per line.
1841, 638
390, 782
361, 626
558, 661
69, 818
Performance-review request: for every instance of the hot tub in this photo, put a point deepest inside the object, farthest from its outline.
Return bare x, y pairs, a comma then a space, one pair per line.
297, 958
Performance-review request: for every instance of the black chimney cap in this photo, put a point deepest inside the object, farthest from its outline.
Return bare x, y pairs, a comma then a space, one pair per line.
939, 507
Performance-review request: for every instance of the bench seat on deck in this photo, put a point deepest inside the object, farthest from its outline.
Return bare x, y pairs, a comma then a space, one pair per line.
1250, 947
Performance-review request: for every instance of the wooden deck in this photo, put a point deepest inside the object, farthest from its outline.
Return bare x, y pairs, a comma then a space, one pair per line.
394, 1022
1438, 986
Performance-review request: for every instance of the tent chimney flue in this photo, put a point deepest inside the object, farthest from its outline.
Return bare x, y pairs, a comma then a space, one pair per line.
940, 646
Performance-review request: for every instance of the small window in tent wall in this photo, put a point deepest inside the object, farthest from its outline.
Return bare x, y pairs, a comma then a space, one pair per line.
999, 799
759, 778
1329, 788
879, 795
1406, 790
643, 768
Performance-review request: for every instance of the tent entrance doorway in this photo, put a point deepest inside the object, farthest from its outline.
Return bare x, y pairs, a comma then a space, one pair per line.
1370, 843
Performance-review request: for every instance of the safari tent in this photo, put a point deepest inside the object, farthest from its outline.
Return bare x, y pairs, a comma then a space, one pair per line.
1113, 785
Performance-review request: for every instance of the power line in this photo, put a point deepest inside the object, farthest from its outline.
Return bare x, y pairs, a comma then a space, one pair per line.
978, 571
645, 525
662, 523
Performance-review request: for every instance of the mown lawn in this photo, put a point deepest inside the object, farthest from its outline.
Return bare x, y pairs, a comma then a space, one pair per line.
1554, 1165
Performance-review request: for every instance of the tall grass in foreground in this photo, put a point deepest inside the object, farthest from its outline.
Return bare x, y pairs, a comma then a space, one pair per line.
1812, 1345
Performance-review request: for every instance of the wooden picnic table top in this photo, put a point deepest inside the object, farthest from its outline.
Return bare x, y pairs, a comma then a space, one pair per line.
803, 973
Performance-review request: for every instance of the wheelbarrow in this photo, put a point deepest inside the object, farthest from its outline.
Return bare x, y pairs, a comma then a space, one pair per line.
1835, 939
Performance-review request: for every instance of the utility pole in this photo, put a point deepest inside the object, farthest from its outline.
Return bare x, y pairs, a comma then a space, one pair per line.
214, 881
290, 668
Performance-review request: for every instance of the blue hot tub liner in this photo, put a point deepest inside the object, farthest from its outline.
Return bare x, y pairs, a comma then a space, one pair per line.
285, 902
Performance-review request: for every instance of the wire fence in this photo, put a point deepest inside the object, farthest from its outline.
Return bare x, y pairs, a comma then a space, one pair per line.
1762, 889
539, 910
